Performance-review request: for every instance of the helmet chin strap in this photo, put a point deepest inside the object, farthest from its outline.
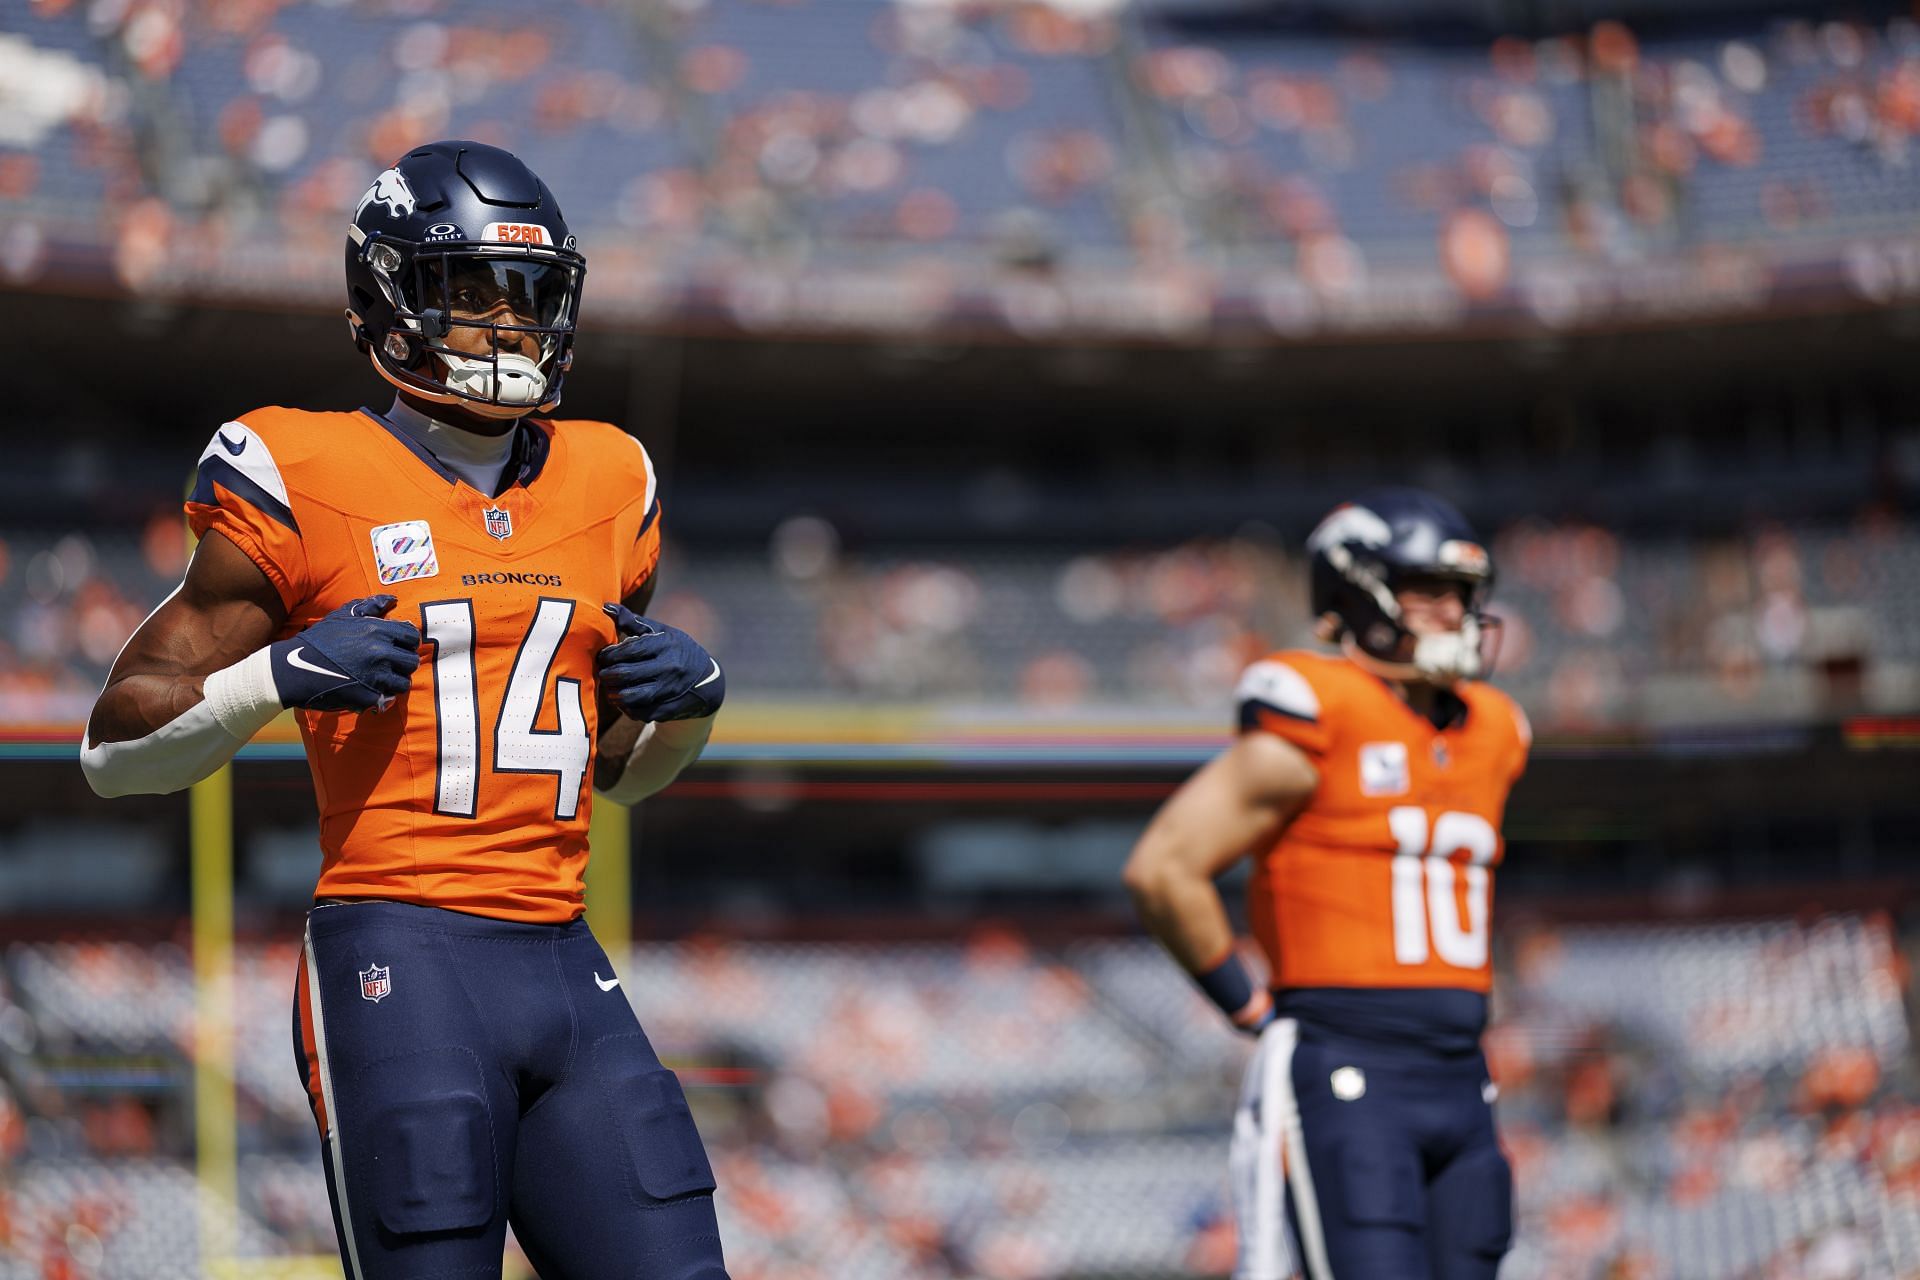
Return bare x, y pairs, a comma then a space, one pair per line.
1439, 658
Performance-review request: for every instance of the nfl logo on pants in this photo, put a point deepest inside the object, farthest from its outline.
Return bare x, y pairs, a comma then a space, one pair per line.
375, 984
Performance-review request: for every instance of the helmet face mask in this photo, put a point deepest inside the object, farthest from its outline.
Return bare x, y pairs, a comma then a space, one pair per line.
1368, 552
463, 281
494, 324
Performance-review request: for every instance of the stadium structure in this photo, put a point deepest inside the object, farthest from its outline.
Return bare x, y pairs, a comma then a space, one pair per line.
997, 357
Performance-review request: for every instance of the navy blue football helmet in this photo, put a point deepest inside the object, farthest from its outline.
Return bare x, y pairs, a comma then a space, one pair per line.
1367, 550
463, 281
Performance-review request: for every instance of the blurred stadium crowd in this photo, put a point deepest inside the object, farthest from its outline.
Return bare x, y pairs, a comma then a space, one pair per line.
1787, 621
1715, 1102
1158, 134
1742, 1107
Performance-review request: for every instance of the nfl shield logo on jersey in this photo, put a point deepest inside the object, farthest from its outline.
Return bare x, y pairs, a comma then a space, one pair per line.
375, 984
499, 522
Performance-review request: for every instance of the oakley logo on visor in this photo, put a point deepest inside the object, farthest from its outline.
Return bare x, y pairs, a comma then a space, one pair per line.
1468, 557
444, 231
515, 233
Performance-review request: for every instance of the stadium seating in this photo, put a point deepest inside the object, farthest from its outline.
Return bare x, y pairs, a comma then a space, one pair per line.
1601, 628
1735, 999
121, 1219
869, 131
1721, 1101
114, 995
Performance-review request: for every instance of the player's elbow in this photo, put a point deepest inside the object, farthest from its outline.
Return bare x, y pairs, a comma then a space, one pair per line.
110, 783
99, 773
97, 762
1146, 877
115, 769
103, 781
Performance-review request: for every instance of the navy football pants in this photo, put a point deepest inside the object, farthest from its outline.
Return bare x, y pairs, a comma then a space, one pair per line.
1374, 1164
467, 1073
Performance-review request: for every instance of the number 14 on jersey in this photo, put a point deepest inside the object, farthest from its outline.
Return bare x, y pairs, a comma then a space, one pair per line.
518, 747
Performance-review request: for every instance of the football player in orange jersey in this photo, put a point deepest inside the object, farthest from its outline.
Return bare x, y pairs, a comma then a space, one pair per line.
1368, 787
468, 1053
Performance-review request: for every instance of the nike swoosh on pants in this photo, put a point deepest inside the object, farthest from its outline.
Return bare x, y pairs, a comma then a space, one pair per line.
711, 676
605, 984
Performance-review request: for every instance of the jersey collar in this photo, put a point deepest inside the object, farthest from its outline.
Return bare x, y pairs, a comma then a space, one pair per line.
526, 457
1450, 710
532, 442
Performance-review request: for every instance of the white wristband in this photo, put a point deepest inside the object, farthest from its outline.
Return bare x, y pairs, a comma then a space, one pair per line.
663, 749
238, 701
242, 697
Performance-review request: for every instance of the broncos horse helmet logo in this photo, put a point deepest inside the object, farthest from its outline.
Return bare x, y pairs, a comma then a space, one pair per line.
391, 189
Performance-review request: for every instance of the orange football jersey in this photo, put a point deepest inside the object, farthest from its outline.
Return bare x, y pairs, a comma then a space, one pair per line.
473, 790
1385, 877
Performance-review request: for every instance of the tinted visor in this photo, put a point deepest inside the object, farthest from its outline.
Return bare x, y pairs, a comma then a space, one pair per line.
1468, 587
475, 285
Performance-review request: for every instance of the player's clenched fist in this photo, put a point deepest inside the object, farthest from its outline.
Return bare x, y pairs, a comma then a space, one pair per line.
657, 672
354, 659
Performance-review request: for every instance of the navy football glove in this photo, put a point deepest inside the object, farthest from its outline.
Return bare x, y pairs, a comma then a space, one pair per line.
353, 659
658, 672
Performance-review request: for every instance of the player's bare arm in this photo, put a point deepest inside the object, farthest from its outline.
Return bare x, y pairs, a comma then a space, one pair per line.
200, 676
224, 610
1244, 796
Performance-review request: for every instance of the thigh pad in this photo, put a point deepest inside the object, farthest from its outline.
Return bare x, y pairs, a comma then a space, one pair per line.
648, 1110
1473, 1206
424, 1148
1380, 1182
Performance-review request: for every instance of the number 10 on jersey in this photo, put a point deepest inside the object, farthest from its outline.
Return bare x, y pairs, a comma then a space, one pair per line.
518, 747
1424, 877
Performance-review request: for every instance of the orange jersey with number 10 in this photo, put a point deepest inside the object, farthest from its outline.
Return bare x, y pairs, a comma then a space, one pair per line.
473, 791
1385, 878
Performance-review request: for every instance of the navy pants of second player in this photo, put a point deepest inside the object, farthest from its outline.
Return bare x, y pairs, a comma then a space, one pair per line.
1374, 1163
468, 1072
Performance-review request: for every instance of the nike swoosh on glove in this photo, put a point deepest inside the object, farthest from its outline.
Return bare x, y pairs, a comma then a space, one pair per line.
354, 659
658, 672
